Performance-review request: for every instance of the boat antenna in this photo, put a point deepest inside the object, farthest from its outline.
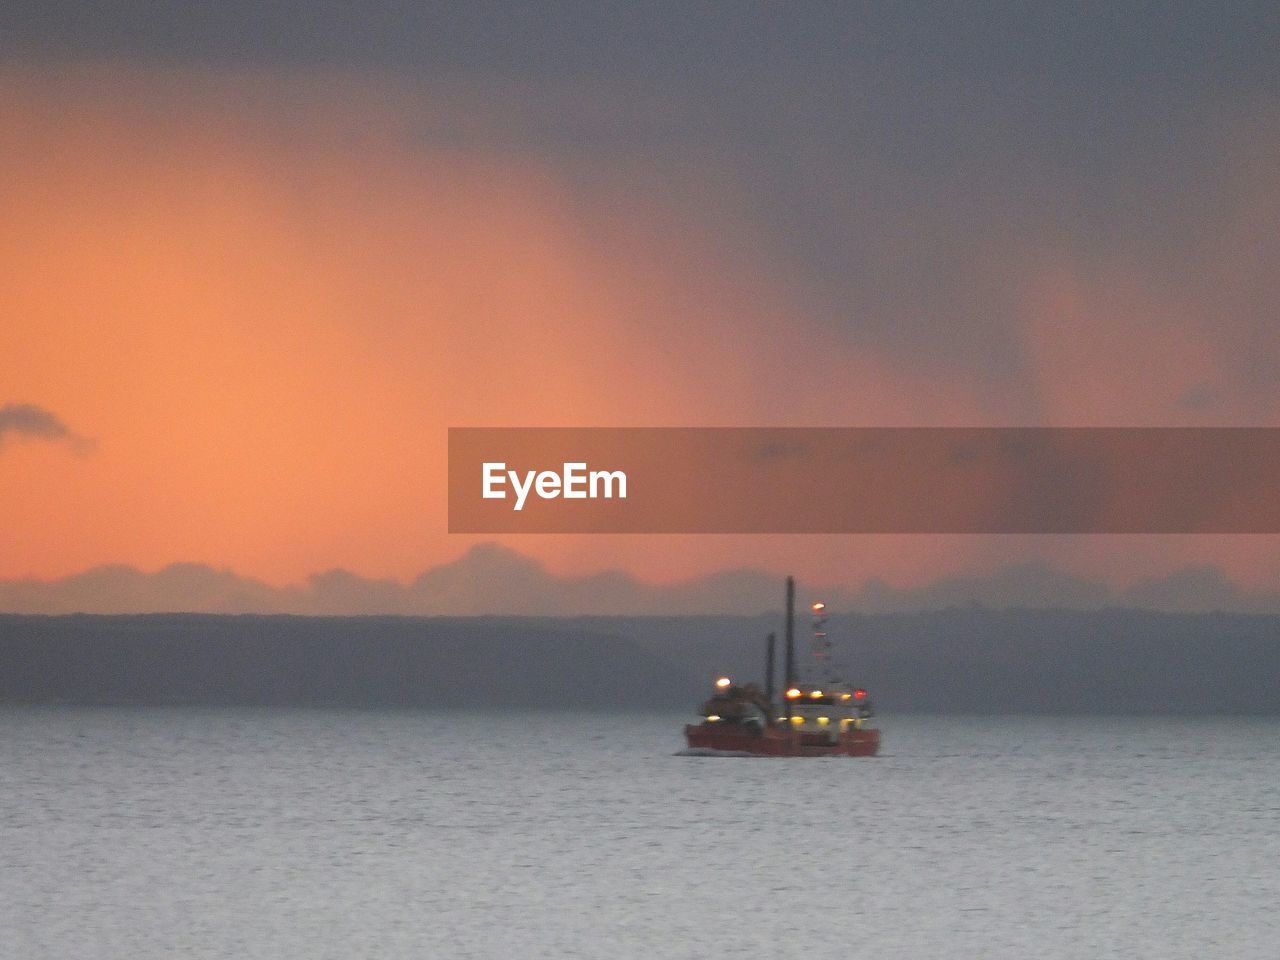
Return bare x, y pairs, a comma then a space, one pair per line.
770, 643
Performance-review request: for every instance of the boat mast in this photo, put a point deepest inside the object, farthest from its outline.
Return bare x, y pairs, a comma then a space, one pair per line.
821, 643
790, 640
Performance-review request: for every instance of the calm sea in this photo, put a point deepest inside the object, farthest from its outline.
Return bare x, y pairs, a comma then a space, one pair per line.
148, 833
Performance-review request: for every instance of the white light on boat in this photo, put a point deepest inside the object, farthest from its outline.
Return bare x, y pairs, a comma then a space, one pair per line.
714, 717
819, 607
816, 694
723, 682
793, 693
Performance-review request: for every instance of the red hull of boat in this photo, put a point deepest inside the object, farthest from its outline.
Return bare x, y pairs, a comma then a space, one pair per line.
776, 742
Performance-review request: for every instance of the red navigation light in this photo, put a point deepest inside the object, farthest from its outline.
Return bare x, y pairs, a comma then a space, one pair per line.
859, 694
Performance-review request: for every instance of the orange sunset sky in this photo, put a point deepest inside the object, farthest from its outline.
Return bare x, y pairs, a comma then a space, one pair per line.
257, 293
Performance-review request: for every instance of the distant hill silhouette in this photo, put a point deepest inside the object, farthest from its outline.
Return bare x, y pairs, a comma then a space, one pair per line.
491, 579
966, 659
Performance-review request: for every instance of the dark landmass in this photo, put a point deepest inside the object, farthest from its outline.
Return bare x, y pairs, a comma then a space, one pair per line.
958, 660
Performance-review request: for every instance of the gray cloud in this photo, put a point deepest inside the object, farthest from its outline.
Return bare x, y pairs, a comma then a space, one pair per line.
28, 420
905, 168
494, 580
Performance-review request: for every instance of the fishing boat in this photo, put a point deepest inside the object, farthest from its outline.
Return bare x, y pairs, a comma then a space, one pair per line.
818, 715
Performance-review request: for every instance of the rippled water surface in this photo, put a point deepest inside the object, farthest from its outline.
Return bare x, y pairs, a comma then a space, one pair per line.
132, 833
